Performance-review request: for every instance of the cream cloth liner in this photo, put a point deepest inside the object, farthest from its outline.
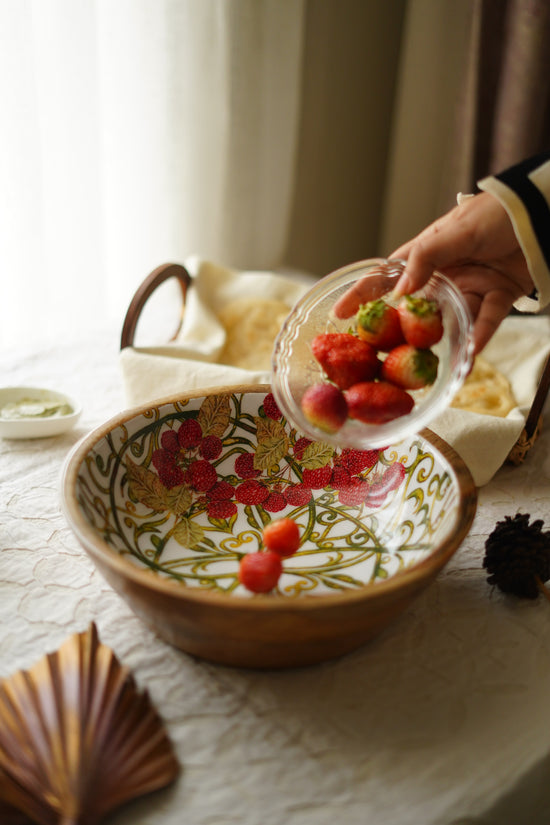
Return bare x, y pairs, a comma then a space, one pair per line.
190, 362
518, 349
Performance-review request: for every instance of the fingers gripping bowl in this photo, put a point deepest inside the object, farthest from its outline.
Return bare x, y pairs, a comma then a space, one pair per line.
166, 500
296, 370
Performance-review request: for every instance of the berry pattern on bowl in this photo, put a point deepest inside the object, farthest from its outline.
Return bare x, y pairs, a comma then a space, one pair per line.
186, 490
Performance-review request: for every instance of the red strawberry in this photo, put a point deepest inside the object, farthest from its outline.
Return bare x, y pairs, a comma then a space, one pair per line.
410, 368
324, 406
421, 321
282, 537
376, 402
344, 358
260, 572
378, 324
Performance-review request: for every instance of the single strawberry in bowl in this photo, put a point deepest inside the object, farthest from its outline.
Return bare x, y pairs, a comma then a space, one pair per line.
260, 572
344, 358
282, 537
324, 406
377, 402
421, 321
410, 368
378, 324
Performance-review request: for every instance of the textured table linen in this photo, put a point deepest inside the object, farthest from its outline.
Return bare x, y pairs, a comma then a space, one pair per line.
443, 720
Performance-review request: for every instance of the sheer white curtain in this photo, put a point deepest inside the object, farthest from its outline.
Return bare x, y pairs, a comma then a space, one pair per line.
136, 132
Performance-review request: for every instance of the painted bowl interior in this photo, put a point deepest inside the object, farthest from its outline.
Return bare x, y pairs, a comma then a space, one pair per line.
180, 491
294, 369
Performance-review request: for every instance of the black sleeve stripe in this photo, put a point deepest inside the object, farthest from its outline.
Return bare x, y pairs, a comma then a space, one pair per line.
534, 201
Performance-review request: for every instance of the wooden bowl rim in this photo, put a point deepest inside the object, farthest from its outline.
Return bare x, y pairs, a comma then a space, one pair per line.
118, 564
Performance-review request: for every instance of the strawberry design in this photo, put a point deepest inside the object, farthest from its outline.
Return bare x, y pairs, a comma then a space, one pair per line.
251, 492
378, 323
300, 447
354, 493
298, 494
275, 502
410, 368
270, 407
221, 509
344, 358
318, 478
421, 321
244, 466
221, 491
358, 460
376, 402
211, 447
169, 441
201, 475
341, 477
385, 484
190, 433
170, 473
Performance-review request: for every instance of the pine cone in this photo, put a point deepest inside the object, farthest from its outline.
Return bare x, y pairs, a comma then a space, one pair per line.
517, 556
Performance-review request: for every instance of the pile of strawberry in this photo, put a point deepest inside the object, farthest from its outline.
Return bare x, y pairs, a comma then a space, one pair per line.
259, 572
370, 371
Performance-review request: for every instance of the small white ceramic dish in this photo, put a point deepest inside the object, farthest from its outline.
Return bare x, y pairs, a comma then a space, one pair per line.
36, 412
295, 369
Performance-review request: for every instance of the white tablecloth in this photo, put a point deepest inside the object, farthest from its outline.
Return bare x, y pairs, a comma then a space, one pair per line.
443, 720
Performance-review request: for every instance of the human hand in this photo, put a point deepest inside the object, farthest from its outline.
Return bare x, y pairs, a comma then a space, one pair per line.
476, 247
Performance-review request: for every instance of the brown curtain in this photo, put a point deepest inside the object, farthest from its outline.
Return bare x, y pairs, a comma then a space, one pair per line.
503, 113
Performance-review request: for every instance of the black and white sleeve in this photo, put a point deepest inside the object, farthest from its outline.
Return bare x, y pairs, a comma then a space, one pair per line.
524, 191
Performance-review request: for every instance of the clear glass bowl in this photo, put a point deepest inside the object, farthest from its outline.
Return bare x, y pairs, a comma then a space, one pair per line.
294, 368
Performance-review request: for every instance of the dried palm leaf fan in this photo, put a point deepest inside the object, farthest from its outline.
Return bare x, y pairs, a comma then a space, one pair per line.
77, 739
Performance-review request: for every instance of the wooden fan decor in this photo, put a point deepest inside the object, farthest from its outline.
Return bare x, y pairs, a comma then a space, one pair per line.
77, 739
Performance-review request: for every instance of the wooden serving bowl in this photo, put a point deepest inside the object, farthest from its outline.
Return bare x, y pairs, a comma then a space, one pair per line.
167, 498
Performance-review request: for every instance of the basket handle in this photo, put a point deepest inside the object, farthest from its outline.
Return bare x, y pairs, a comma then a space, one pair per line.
533, 422
143, 293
